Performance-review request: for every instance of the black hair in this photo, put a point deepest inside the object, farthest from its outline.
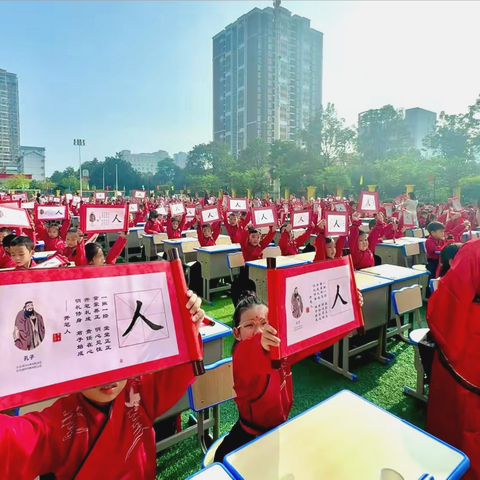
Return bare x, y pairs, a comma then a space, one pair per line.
253, 230
412, 196
22, 242
285, 225
91, 250
372, 223
448, 253
434, 226
232, 214
206, 225
329, 240
5, 230
153, 215
247, 300
72, 230
7, 240
174, 219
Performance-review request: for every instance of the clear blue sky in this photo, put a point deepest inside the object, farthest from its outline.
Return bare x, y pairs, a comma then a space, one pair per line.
137, 75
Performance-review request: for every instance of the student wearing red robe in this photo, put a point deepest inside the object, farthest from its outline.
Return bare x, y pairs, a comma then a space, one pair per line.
359, 244
289, 245
252, 243
264, 395
175, 227
234, 225
153, 224
326, 248
453, 412
104, 432
208, 234
94, 253
53, 236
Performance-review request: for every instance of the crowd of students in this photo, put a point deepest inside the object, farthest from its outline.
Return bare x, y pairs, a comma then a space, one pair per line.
37, 444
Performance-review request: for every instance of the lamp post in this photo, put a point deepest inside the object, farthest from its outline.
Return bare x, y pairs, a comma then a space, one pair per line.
80, 143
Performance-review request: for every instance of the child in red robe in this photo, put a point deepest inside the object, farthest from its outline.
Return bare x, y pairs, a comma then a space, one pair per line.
104, 432
433, 245
361, 246
94, 253
53, 236
207, 235
453, 411
289, 245
22, 250
264, 395
153, 224
252, 243
326, 248
74, 250
175, 227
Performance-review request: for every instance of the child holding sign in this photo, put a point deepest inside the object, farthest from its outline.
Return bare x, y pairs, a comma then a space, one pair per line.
264, 394
326, 248
153, 224
94, 253
53, 236
74, 437
289, 245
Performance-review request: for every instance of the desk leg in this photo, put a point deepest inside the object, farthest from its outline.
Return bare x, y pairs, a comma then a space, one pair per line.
381, 353
419, 392
336, 354
216, 416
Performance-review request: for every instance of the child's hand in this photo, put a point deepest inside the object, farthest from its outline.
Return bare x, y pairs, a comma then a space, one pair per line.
322, 224
360, 298
268, 338
288, 228
380, 217
249, 226
123, 235
194, 303
355, 216
273, 228
79, 236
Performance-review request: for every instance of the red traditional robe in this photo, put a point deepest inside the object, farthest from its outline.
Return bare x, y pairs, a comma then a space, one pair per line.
74, 439
453, 316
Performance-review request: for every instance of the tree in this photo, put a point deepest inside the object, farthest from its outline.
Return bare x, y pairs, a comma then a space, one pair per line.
166, 170
333, 177
457, 135
17, 182
382, 134
255, 155
327, 138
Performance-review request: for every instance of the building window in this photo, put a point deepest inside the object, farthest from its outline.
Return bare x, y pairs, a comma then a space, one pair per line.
240, 79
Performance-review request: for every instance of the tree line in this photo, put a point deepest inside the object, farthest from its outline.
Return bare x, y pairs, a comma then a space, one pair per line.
328, 155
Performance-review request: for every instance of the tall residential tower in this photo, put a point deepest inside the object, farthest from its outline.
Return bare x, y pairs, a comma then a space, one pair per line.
267, 77
9, 122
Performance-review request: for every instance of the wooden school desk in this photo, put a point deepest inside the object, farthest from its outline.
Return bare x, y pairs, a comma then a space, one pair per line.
212, 337
415, 232
307, 257
215, 471
405, 251
214, 265
257, 271
401, 277
175, 243
346, 438
376, 301
153, 244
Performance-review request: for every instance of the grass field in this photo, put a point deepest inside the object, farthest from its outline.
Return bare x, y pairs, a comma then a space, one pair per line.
382, 385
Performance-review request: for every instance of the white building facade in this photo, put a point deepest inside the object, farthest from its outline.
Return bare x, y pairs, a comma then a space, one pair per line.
144, 162
32, 161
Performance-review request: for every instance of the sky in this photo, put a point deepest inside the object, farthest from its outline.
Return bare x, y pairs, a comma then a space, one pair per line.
138, 75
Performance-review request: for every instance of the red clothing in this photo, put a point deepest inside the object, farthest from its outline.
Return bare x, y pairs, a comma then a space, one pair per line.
289, 245
234, 232
375, 235
153, 226
320, 247
250, 252
433, 247
453, 412
116, 250
76, 254
32, 264
52, 244
183, 225
360, 259
209, 242
5, 259
60, 437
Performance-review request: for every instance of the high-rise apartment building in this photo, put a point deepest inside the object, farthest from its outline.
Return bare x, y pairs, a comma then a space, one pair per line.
180, 159
32, 161
267, 77
9, 122
420, 124
144, 162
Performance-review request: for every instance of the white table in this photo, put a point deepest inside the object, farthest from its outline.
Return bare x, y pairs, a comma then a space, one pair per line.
345, 438
40, 256
396, 252
215, 471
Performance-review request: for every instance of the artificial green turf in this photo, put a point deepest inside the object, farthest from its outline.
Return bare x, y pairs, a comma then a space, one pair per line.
382, 385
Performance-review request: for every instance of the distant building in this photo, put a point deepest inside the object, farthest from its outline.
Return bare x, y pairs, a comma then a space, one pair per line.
9, 122
267, 77
180, 159
420, 124
144, 162
32, 161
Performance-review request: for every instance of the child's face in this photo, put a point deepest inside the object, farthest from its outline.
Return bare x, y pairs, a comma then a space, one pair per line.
53, 232
254, 239
363, 243
174, 225
71, 240
438, 234
232, 220
21, 256
252, 321
207, 232
330, 250
106, 393
98, 259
